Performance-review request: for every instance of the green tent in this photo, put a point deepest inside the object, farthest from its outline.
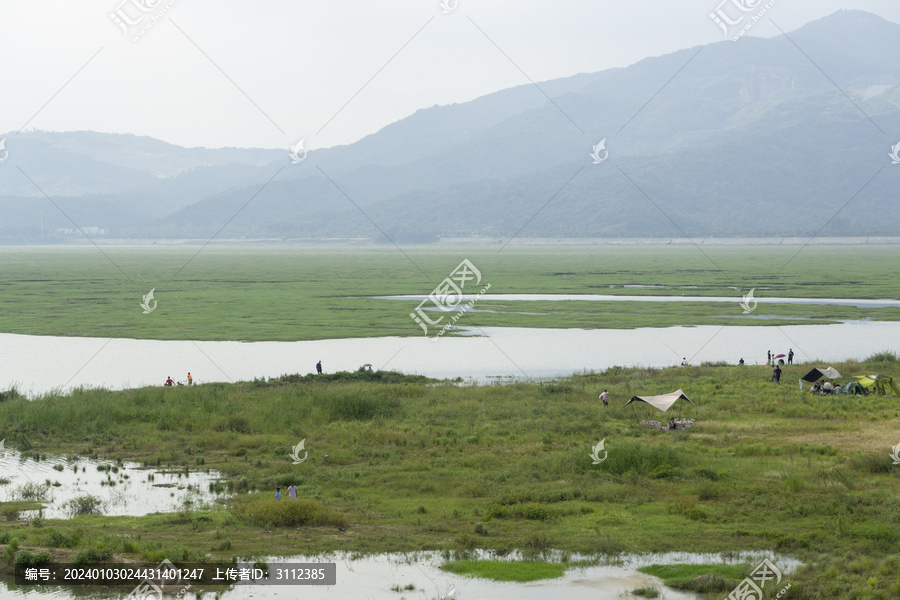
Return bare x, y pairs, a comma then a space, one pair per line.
854, 388
878, 384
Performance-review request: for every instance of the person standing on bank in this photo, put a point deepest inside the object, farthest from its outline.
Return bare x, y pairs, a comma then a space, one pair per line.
791, 356
605, 396
776, 374
190, 379
319, 368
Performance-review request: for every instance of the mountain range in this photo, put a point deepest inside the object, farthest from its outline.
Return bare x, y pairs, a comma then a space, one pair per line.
788, 136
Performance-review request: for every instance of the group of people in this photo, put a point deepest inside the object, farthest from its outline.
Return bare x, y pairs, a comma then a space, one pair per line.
776, 366
170, 382
776, 374
826, 387
292, 492
190, 380
770, 358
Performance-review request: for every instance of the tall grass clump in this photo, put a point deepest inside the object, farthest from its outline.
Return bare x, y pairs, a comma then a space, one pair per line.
287, 513
886, 356
643, 459
25, 559
31, 491
62, 539
92, 555
360, 405
11, 394
85, 504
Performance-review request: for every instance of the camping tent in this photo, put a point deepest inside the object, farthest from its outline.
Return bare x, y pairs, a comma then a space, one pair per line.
878, 384
853, 388
663, 402
817, 374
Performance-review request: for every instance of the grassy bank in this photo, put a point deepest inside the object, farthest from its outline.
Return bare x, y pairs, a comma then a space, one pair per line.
295, 293
400, 463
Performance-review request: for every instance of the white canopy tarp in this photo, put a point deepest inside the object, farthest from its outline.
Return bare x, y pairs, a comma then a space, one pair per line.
818, 373
663, 402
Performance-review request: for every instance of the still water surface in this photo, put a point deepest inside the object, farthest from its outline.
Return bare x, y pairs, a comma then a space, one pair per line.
859, 303
37, 364
123, 489
372, 578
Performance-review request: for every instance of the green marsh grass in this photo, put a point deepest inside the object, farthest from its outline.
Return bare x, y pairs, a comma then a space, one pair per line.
252, 293
701, 578
454, 468
499, 570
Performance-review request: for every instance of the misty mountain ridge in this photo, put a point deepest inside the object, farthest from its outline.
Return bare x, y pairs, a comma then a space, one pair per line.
750, 138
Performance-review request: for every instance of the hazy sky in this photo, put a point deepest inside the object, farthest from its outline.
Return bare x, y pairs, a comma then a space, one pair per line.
271, 72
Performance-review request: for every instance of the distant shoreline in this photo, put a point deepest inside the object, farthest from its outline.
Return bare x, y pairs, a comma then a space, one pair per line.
483, 241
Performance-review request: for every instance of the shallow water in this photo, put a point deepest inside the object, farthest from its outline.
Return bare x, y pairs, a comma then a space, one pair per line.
124, 490
38, 364
857, 302
371, 578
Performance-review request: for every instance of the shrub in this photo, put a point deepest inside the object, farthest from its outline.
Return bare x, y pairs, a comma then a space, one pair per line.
59, 539
238, 424
534, 512
695, 514
707, 474
642, 459
708, 491
359, 407
29, 559
10, 513
92, 555
288, 513
31, 491
11, 550
529, 510
876, 464
664, 471
84, 504
11, 394
887, 356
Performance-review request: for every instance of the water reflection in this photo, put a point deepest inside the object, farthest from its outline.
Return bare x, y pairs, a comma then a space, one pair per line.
378, 577
40, 364
120, 488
